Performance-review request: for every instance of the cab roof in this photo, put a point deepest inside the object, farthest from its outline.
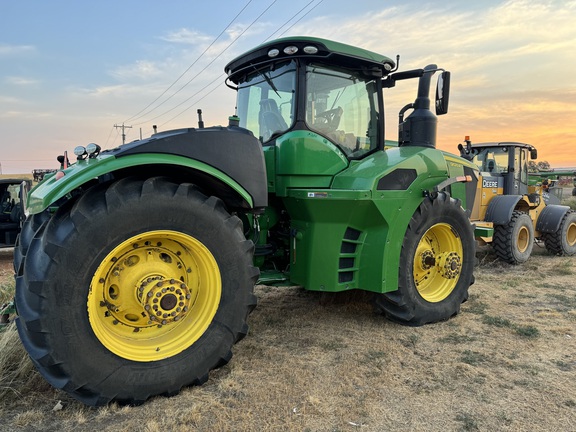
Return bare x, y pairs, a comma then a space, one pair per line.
327, 50
503, 144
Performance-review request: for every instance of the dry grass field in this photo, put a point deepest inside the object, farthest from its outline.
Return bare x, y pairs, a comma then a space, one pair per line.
317, 362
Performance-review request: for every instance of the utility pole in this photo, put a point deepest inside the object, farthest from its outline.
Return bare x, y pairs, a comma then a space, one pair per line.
123, 134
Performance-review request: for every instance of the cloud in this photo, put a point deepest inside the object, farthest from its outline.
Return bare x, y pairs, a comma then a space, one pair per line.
6, 50
13, 114
186, 36
142, 70
20, 81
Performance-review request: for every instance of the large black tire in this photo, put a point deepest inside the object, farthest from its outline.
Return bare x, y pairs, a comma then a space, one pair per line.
514, 241
29, 228
563, 241
574, 192
137, 289
436, 265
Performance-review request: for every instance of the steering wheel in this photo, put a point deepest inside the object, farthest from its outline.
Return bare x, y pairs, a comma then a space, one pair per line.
330, 119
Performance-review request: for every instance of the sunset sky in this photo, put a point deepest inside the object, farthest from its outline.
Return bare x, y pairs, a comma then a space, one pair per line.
70, 71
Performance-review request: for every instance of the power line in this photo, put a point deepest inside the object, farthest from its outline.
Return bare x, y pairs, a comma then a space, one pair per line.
109, 135
209, 64
293, 16
137, 115
198, 100
212, 90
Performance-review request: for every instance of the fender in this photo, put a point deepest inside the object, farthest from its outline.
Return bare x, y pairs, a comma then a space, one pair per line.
500, 209
53, 188
550, 218
227, 161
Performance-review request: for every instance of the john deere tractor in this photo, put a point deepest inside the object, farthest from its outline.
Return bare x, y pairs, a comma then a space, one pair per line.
510, 213
136, 265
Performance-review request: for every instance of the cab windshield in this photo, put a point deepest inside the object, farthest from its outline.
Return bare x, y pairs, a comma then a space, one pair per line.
266, 101
492, 161
343, 107
339, 105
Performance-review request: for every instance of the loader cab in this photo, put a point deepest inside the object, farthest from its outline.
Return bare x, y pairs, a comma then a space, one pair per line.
504, 166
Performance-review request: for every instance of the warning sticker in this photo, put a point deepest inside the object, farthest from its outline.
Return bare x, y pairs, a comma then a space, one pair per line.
317, 194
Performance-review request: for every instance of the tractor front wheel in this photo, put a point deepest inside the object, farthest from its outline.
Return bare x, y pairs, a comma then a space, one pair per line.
136, 289
29, 228
514, 241
563, 241
436, 265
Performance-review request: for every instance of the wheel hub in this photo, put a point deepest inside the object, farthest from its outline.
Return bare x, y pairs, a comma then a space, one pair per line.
166, 301
450, 265
428, 260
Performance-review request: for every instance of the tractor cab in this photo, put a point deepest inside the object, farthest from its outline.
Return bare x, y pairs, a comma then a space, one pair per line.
307, 86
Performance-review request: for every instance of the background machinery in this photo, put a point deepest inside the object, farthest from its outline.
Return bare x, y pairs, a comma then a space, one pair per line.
510, 213
136, 265
552, 182
11, 214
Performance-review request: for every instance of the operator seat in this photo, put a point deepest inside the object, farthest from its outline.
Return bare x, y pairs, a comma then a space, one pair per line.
490, 166
270, 119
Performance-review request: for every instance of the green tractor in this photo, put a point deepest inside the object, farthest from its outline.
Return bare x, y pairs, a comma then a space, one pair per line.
136, 265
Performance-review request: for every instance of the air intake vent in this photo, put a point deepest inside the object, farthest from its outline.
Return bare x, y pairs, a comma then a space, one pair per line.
347, 263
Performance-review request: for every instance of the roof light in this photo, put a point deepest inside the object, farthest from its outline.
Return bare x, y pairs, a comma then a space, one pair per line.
93, 149
310, 49
79, 151
273, 52
291, 50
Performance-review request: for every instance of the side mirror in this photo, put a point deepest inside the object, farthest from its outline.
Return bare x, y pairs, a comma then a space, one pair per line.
442, 93
533, 154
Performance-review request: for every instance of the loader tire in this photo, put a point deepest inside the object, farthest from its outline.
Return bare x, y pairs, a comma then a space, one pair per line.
436, 265
137, 289
563, 241
514, 241
29, 228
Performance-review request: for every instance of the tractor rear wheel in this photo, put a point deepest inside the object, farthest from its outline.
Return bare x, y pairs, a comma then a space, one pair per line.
138, 288
514, 241
436, 265
563, 241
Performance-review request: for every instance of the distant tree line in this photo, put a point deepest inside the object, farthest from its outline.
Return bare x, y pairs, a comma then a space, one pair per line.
537, 167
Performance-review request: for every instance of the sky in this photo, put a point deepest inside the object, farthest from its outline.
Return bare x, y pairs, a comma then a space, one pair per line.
72, 72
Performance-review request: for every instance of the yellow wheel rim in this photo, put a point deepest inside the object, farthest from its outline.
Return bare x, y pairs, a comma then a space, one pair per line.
154, 295
438, 263
571, 234
523, 239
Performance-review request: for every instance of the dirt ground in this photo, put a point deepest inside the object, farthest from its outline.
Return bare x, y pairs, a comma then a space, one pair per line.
318, 362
